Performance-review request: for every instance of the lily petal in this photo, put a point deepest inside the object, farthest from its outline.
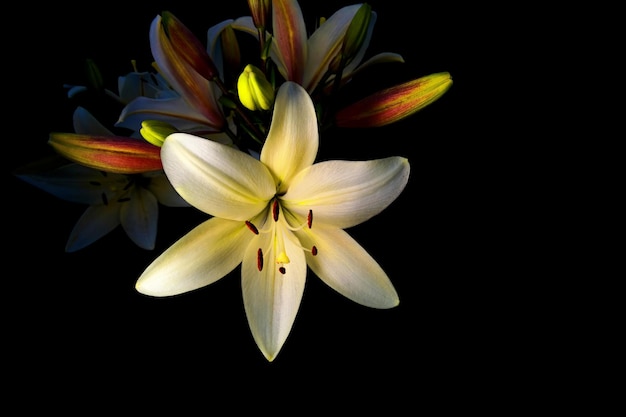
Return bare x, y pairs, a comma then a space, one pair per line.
201, 257
95, 222
138, 217
290, 37
395, 103
245, 24
382, 58
356, 61
272, 299
196, 89
293, 138
162, 188
175, 111
143, 84
325, 43
187, 46
216, 178
214, 44
85, 123
346, 193
118, 154
345, 266
76, 183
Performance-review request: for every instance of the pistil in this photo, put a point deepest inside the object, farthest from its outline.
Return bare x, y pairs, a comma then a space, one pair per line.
277, 242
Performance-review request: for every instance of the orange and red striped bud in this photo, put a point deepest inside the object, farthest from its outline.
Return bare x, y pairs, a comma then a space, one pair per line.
395, 103
117, 154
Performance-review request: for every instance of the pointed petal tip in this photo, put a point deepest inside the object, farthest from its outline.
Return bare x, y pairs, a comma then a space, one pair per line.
395, 302
143, 287
149, 288
389, 304
269, 356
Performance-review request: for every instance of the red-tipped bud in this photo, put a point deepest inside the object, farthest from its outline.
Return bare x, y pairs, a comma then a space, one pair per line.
395, 103
118, 154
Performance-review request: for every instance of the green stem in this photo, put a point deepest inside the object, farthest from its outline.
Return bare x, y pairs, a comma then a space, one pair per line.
238, 108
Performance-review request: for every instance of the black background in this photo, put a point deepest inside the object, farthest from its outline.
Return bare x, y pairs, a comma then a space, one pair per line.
77, 327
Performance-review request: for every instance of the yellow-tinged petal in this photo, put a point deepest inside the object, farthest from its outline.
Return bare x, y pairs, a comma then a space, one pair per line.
293, 138
395, 103
215, 178
201, 257
346, 267
326, 43
117, 154
271, 298
346, 193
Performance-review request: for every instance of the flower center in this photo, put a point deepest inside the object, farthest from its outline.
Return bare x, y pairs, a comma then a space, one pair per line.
277, 239
117, 189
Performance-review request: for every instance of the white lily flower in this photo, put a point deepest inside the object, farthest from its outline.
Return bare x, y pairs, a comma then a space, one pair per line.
274, 216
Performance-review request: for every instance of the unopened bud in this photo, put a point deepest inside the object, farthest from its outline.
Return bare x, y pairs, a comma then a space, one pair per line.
155, 131
395, 103
260, 11
255, 92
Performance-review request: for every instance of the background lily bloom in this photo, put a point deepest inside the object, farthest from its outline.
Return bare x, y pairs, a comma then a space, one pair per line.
275, 216
114, 199
195, 108
305, 60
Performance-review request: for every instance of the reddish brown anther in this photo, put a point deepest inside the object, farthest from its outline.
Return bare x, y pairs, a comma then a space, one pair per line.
259, 259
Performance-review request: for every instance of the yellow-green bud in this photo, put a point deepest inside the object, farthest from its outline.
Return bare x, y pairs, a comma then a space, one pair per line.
155, 131
255, 92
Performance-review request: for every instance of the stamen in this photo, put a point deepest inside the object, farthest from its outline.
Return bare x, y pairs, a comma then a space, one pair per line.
308, 223
259, 259
275, 210
252, 227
